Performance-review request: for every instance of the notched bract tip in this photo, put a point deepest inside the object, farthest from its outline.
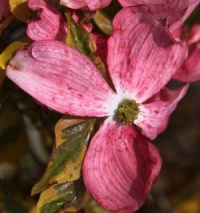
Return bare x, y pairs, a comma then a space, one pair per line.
13, 67
164, 21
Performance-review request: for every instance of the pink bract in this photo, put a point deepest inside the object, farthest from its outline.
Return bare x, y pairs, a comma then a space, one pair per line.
92, 5
50, 25
192, 4
120, 167
142, 58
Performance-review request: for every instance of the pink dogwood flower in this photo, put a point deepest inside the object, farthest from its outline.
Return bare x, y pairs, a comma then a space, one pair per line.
120, 165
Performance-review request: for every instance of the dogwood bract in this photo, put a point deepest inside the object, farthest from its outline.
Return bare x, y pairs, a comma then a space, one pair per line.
120, 165
92, 5
49, 26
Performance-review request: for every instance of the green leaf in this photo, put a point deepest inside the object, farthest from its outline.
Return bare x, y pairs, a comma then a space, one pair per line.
68, 196
72, 136
80, 39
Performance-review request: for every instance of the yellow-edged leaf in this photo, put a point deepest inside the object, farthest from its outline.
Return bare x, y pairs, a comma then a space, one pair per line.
80, 39
67, 196
72, 136
7, 54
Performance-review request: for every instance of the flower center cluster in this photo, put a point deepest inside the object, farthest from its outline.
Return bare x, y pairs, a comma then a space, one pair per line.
127, 111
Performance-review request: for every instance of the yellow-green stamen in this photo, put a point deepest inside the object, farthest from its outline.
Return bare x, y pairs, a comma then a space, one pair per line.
127, 111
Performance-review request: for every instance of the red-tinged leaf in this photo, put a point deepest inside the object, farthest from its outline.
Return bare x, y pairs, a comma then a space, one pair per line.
72, 136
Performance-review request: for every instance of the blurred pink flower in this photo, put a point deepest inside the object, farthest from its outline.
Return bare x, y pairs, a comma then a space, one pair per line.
4, 8
120, 165
190, 69
92, 5
176, 11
